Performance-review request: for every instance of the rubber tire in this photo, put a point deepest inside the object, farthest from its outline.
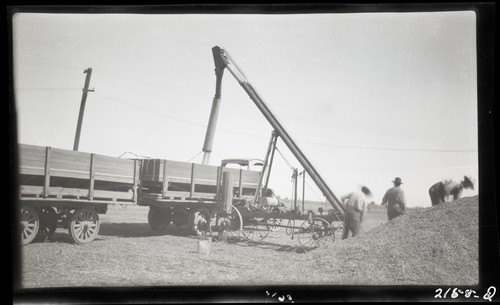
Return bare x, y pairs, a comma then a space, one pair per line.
180, 216
48, 224
159, 218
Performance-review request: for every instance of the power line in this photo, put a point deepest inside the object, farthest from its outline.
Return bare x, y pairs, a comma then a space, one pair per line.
26, 89
148, 110
51, 66
174, 118
236, 132
306, 142
393, 149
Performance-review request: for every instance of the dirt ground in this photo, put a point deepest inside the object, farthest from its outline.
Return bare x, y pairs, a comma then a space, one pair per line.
415, 249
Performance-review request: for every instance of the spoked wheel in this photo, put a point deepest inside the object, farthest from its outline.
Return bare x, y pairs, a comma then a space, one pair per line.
159, 218
256, 229
48, 224
84, 225
313, 233
228, 225
199, 221
29, 224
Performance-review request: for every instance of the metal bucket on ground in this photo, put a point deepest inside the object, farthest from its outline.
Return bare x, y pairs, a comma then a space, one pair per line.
204, 245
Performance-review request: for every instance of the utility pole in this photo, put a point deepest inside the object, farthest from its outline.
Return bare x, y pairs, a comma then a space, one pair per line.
82, 107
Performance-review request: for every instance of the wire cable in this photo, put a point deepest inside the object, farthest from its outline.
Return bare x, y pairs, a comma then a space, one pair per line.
131, 153
195, 156
285, 159
313, 190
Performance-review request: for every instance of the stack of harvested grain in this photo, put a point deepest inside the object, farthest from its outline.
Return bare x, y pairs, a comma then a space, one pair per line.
431, 246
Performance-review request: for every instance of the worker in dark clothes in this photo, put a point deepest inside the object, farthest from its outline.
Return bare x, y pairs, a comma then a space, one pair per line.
395, 199
440, 191
355, 207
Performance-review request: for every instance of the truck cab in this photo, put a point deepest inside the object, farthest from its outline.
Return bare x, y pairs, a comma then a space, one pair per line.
249, 164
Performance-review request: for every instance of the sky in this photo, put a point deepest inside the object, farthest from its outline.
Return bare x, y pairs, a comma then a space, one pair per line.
366, 96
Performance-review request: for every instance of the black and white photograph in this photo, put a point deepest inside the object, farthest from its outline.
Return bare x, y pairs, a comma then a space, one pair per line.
280, 154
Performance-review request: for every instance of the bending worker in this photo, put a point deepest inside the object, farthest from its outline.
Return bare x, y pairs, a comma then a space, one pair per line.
395, 200
445, 188
355, 208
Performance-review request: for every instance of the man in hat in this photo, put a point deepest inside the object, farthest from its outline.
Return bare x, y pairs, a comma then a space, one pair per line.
355, 207
395, 199
444, 189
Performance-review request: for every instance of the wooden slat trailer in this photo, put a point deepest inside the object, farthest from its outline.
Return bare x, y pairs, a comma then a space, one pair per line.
65, 188
59, 187
191, 194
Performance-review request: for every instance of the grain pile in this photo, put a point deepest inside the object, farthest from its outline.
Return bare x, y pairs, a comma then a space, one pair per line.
431, 246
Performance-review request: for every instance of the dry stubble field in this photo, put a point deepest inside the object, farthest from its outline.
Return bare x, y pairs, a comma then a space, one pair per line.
428, 246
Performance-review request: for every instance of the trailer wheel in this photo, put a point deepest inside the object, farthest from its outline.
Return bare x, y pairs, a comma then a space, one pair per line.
84, 225
179, 216
199, 221
29, 224
159, 218
48, 224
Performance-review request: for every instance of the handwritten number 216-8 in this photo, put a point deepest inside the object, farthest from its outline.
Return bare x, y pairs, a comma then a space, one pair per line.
468, 292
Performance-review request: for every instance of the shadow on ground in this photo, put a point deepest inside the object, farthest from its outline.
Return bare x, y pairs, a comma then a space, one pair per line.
136, 230
142, 230
243, 242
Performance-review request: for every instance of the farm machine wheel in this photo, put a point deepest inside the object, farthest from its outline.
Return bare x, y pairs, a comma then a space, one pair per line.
84, 225
159, 218
228, 225
256, 229
48, 224
29, 224
199, 221
313, 233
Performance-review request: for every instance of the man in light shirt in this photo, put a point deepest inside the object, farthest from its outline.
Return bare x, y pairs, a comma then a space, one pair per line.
443, 189
355, 207
395, 199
